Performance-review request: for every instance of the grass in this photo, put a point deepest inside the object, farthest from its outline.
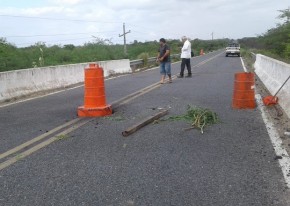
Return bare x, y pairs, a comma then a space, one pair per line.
198, 117
248, 59
18, 157
62, 137
115, 118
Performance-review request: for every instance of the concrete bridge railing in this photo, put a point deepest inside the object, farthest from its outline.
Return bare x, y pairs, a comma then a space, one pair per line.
273, 74
24, 82
19, 83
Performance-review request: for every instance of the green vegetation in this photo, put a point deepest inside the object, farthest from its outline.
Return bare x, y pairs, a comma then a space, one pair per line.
18, 157
275, 42
144, 56
198, 117
38, 55
248, 59
208, 45
62, 137
115, 118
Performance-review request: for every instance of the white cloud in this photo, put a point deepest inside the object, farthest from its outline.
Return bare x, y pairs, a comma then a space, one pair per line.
147, 19
44, 11
131, 4
67, 2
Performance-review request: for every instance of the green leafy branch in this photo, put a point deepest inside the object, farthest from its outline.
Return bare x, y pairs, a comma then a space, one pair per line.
198, 117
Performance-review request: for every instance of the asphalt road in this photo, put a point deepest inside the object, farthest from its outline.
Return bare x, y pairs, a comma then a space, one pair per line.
232, 163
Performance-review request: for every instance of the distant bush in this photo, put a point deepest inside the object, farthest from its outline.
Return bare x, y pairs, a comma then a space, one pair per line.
144, 56
275, 42
13, 58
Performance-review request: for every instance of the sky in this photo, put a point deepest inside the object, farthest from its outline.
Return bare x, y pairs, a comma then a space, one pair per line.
60, 22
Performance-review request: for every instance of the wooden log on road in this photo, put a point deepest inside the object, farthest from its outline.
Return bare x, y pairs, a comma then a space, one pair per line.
143, 123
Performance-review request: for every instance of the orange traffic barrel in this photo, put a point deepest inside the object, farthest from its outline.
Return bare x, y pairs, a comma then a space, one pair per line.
95, 97
244, 91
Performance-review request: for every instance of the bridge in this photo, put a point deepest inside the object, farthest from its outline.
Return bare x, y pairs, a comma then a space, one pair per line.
50, 156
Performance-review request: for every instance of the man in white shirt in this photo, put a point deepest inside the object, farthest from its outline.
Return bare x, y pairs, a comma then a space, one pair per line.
185, 57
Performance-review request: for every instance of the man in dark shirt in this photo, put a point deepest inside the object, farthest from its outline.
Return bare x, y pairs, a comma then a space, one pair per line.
165, 62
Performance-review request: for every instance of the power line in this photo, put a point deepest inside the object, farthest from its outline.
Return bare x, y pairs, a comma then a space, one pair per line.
73, 20
155, 30
78, 20
148, 29
53, 41
140, 32
67, 34
56, 19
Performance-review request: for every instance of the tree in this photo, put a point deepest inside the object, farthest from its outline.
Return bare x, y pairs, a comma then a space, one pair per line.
101, 49
102, 41
69, 47
285, 14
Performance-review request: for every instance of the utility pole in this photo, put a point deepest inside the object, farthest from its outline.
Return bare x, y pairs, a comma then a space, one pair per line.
124, 35
288, 14
212, 36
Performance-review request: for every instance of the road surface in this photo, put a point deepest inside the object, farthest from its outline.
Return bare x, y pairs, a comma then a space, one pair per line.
89, 162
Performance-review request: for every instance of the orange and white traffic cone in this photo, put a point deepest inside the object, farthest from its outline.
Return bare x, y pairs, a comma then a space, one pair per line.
94, 98
201, 52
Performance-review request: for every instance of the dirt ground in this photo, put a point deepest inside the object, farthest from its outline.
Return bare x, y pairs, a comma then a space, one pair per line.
277, 116
275, 113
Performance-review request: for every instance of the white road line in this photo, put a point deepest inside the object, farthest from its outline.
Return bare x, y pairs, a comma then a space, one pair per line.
245, 69
275, 138
38, 138
41, 145
62, 90
276, 141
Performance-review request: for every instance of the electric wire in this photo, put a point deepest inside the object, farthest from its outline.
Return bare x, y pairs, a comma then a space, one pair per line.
67, 34
146, 30
57, 19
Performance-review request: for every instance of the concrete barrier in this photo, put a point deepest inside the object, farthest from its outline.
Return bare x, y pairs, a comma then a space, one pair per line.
273, 74
24, 82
